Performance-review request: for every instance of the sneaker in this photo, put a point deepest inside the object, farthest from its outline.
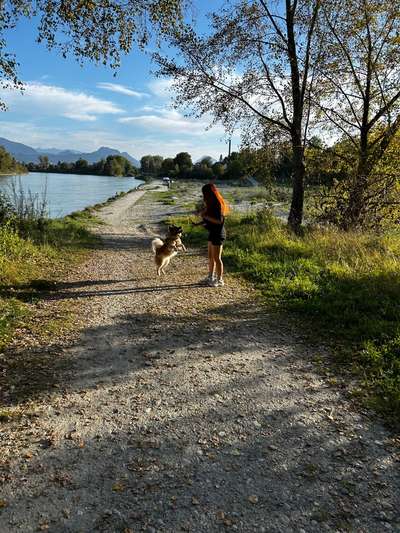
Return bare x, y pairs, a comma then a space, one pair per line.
217, 283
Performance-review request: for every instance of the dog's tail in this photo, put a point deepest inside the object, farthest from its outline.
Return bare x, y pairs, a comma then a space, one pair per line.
156, 244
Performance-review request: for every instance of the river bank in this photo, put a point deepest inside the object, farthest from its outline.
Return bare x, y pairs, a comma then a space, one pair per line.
63, 194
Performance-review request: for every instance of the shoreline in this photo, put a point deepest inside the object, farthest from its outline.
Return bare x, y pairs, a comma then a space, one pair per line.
77, 174
86, 208
97, 207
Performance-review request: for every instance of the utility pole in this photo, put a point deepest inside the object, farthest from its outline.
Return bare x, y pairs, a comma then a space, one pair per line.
229, 149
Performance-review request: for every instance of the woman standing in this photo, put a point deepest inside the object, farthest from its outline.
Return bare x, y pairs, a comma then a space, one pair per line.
213, 216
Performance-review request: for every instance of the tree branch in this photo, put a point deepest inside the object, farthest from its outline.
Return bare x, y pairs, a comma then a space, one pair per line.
384, 110
272, 19
339, 126
228, 91
308, 46
272, 84
346, 53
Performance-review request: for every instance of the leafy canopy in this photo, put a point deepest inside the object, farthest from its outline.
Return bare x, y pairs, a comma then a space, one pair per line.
97, 30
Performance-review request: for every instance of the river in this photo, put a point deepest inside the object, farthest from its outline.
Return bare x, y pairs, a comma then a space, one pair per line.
66, 193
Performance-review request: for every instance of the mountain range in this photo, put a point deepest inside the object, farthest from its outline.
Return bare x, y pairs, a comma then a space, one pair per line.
26, 154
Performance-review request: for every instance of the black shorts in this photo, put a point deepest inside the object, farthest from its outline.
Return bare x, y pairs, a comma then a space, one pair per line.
216, 237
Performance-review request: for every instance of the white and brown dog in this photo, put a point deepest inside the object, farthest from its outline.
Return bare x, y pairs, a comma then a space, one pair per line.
165, 250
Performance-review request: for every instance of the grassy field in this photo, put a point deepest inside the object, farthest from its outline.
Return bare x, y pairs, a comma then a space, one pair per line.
343, 287
30, 258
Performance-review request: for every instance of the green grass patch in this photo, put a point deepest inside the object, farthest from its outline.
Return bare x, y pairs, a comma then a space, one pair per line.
235, 195
31, 259
164, 197
343, 286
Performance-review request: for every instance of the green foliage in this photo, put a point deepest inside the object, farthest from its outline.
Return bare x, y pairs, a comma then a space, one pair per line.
168, 166
8, 164
113, 165
183, 162
379, 207
85, 29
25, 259
151, 164
361, 37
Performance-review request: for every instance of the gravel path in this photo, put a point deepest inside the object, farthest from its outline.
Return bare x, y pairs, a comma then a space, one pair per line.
189, 409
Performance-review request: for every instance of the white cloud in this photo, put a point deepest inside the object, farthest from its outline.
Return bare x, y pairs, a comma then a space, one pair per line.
82, 117
88, 140
150, 109
57, 101
172, 122
162, 88
122, 89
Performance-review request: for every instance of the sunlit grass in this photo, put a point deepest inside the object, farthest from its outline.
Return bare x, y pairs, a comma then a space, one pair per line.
30, 261
343, 286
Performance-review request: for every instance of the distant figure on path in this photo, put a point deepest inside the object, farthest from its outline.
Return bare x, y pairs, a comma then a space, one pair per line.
213, 219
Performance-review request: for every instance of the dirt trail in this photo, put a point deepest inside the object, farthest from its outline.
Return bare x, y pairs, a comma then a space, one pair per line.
189, 408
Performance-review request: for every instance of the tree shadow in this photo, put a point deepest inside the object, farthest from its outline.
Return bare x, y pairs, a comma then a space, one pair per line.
219, 455
131, 343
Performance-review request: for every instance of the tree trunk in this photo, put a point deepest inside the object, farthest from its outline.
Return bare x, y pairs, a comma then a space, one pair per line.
296, 208
355, 210
295, 218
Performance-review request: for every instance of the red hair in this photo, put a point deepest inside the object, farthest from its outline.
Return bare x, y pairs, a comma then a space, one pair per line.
213, 198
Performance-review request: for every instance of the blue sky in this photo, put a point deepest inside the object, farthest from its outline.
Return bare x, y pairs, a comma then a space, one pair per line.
67, 106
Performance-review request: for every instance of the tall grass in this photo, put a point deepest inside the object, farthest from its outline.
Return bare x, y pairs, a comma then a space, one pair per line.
32, 247
28, 205
347, 285
343, 286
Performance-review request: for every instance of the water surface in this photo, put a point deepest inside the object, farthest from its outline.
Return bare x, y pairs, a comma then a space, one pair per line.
66, 193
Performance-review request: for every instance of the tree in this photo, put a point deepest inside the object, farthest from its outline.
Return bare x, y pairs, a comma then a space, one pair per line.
86, 29
81, 166
167, 166
183, 161
218, 170
235, 169
115, 165
274, 47
151, 164
207, 161
361, 97
8, 163
44, 162
145, 164
198, 171
157, 164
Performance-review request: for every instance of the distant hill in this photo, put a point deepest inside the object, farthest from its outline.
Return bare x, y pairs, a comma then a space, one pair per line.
56, 151
21, 152
27, 154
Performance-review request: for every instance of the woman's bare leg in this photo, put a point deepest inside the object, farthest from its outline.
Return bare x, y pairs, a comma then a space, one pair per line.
217, 258
211, 263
